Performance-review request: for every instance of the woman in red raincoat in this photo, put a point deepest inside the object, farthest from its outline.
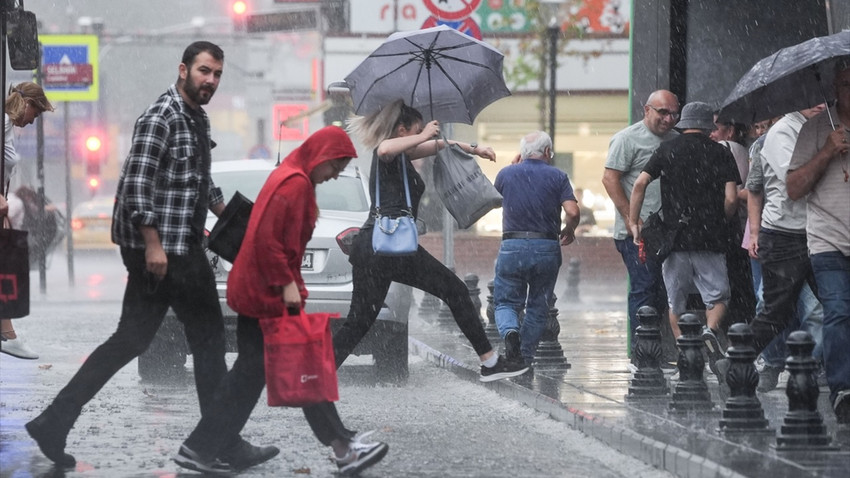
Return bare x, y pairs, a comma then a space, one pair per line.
265, 279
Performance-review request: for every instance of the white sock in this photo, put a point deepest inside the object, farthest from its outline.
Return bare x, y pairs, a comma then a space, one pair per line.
491, 362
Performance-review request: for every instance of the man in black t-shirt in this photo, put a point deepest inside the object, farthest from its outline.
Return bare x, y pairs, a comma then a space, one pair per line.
698, 181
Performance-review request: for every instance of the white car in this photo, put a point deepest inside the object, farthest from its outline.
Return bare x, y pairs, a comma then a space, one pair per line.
343, 208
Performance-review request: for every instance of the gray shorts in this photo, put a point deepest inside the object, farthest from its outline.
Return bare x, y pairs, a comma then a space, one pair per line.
696, 271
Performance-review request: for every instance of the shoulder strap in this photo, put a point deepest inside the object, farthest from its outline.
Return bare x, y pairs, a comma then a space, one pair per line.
403, 159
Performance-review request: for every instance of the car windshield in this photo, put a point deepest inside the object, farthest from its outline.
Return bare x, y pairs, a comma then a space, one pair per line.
343, 194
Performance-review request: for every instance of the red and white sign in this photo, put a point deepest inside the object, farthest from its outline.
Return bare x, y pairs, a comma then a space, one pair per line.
285, 127
68, 74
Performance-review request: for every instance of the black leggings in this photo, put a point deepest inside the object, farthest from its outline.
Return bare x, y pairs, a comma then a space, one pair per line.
372, 277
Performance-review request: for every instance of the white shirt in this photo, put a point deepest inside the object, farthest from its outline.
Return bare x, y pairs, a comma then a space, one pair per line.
780, 212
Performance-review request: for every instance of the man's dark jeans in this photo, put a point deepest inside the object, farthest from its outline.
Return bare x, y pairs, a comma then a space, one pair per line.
189, 289
785, 267
646, 286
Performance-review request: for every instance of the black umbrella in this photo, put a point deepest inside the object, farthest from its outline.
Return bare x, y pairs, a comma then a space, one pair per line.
792, 79
445, 74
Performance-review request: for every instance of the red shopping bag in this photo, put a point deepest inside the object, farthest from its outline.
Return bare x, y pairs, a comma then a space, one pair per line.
299, 359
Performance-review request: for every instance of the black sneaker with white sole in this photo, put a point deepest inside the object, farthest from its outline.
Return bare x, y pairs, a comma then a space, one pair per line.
504, 368
190, 460
712, 346
244, 455
360, 456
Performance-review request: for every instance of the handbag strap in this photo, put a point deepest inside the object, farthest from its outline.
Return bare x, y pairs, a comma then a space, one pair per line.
403, 159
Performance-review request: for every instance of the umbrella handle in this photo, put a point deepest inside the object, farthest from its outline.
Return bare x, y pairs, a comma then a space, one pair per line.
823, 95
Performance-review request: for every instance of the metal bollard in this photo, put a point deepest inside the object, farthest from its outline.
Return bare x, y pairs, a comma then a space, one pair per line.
691, 393
490, 328
471, 281
742, 411
648, 380
802, 427
550, 355
573, 278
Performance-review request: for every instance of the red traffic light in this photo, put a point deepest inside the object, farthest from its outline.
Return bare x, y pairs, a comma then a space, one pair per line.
93, 143
239, 8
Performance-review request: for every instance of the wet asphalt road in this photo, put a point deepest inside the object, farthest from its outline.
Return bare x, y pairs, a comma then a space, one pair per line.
436, 424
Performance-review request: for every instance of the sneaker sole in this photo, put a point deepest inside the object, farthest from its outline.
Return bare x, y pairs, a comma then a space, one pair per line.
373, 457
501, 375
190, 464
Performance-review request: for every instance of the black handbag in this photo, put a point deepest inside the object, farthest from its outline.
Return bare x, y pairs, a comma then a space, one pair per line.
14, 274
658, 239
229, 231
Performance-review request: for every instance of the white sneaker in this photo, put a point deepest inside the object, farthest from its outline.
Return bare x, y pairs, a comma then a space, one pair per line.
16, 348
360, 455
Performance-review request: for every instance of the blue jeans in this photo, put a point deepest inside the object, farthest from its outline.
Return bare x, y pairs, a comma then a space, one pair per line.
832, 273
646, 287
526, 272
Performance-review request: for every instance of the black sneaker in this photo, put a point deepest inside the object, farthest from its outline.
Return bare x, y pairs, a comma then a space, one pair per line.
360, 455
50, 437
712, 346
841, 406
193, 461
245, 455
503, 369
513, 347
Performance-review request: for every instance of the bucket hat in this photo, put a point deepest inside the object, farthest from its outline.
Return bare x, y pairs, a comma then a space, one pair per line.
697, 115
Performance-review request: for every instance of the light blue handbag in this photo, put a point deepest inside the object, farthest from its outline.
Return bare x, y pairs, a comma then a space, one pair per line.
394, 236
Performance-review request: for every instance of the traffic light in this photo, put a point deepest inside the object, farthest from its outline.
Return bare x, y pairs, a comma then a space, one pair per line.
238, 12
94, 158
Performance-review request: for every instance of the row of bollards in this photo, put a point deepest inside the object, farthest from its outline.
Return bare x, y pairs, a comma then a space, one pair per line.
550, 354
802, 427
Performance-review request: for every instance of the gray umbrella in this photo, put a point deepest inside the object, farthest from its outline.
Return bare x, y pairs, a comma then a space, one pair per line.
445, 74
792, 79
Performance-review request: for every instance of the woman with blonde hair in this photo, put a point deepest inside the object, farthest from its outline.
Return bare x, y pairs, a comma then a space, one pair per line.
25, 102
398, 135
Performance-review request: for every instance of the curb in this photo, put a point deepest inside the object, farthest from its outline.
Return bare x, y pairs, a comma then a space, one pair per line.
648, 450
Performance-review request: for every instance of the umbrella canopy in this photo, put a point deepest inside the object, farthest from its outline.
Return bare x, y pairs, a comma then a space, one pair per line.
443, 73
792, 79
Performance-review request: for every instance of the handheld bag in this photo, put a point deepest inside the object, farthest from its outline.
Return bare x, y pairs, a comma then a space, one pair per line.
394, 236
14, 274
299, 359
229, 231
462, 186
658, 239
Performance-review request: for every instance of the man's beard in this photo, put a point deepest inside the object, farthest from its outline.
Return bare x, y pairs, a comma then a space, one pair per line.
193, 91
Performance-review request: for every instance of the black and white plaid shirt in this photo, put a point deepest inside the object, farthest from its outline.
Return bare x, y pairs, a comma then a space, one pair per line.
161, 177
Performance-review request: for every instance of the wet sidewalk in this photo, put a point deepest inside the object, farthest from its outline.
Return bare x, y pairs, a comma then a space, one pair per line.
590, 396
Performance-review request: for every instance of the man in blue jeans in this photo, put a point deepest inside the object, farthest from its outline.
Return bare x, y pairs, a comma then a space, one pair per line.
628, 153
820, 171
534, 192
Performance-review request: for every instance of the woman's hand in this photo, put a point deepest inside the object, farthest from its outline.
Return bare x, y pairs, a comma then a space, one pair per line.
485, 152
291, 296
431, 130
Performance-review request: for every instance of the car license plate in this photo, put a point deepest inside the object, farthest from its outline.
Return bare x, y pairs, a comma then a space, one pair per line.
307, 261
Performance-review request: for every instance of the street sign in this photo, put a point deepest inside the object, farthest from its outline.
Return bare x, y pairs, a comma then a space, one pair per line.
68, 75
70, 67
286, 21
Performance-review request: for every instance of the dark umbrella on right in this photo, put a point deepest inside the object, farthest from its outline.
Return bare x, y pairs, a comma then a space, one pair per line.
792, 79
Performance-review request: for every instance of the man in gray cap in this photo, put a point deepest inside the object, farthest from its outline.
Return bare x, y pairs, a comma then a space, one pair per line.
698, 181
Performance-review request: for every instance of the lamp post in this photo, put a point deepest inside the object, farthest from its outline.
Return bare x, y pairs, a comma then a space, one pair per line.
553, 30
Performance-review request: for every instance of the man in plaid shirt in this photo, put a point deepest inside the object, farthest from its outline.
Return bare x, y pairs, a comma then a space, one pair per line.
164, 193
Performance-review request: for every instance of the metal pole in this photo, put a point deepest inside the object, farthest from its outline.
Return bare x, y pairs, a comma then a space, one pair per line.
70, 238
448, 223
554, 31
39, 173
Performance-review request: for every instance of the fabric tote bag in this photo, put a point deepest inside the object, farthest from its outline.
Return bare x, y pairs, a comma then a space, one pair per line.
299, 359
14, 274
462, 186
229, 231
394, 236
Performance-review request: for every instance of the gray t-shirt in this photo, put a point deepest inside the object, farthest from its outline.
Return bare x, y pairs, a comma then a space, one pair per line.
628, 153
828, 225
